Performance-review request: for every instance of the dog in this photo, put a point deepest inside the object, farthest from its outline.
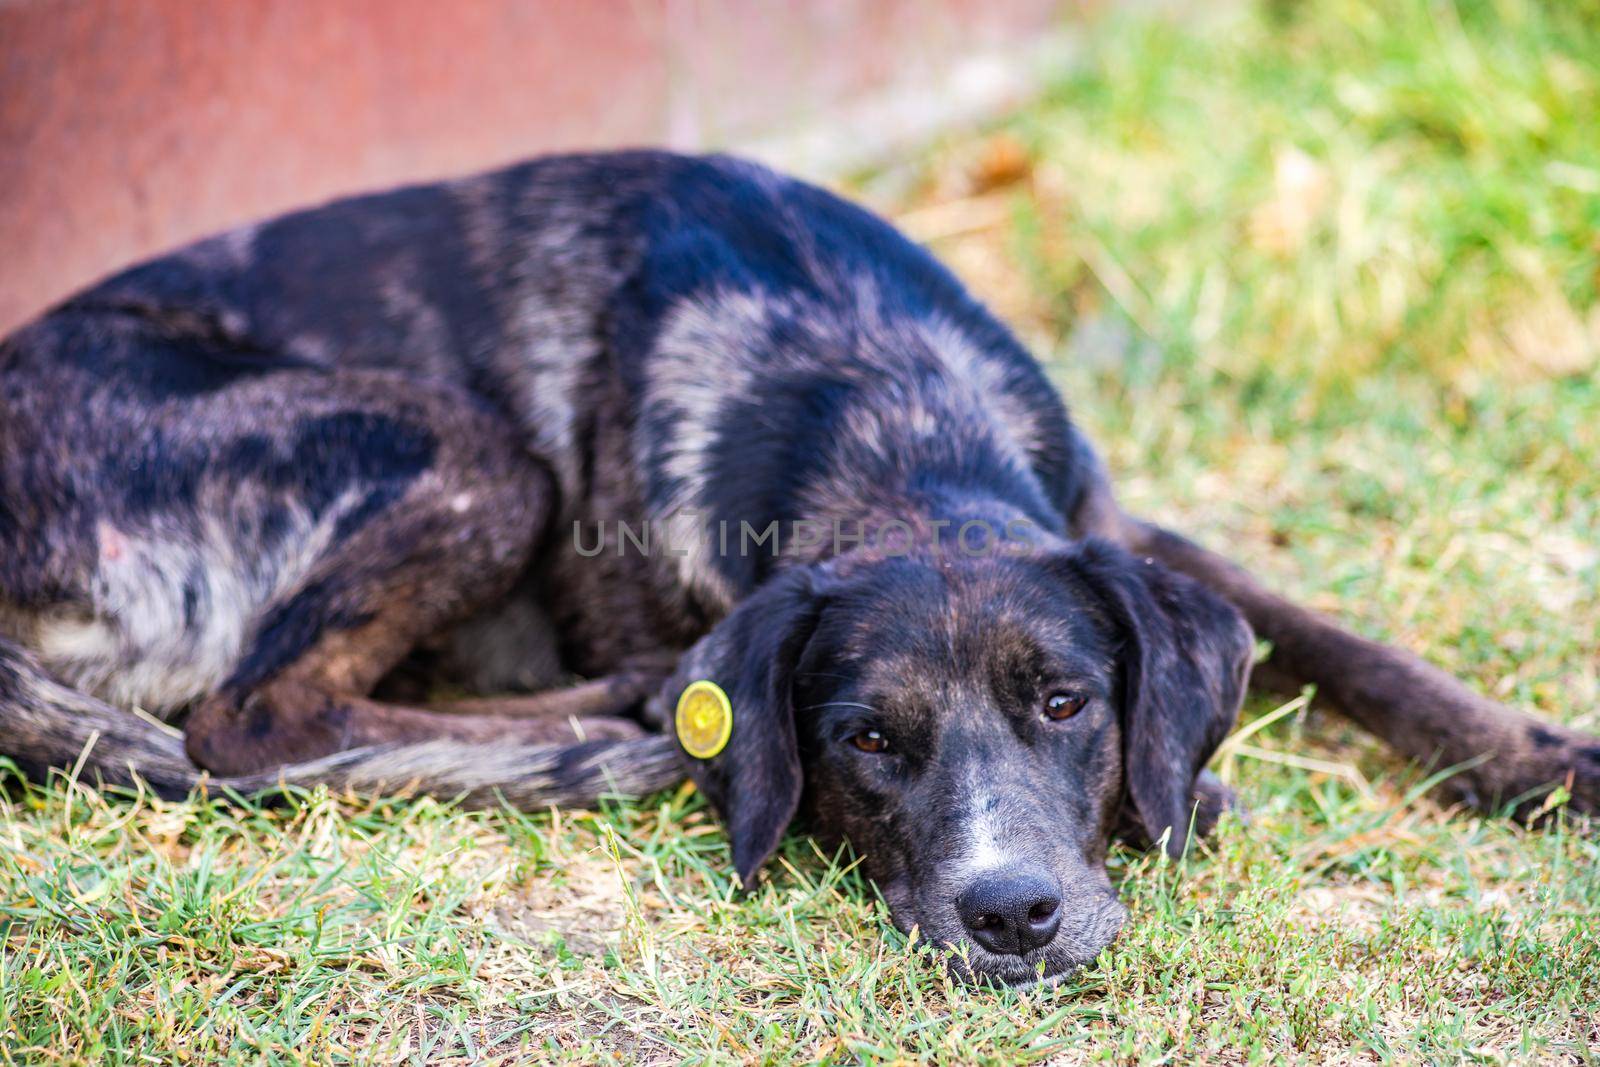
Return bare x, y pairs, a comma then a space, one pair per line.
813, 525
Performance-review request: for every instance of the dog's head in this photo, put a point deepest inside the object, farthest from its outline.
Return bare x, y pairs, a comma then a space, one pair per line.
974, 727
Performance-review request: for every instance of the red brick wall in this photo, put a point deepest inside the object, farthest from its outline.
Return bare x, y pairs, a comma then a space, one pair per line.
131, 126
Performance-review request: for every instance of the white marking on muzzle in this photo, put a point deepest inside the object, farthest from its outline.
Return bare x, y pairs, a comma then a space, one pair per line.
985, 838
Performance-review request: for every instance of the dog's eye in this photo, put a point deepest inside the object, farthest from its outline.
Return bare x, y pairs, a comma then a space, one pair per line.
1059, 706
870, 741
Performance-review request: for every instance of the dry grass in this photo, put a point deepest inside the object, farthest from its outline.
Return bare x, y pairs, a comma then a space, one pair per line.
1321, 282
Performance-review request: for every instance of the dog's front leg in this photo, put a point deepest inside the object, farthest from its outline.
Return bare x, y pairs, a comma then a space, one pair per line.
1505, 755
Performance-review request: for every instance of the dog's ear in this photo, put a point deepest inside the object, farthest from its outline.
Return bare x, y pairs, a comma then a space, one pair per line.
1186, 663
752, 774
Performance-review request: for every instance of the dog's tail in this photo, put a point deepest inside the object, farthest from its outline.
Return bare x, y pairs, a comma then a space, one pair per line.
46, 725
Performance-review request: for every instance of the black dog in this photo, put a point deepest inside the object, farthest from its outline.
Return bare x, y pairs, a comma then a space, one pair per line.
580, 416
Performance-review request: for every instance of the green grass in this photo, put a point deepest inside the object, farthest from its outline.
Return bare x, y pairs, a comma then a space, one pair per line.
1321, 281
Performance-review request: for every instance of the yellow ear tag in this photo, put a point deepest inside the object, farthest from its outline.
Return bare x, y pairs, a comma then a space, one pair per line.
704, 719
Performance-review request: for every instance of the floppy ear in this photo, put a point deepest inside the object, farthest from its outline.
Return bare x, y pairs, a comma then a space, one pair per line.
1186, 666
754, 780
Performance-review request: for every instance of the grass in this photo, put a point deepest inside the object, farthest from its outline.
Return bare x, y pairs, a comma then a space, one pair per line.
1321, 281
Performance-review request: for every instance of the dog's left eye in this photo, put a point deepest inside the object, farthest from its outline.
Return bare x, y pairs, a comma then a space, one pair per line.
870, 741
1059, 706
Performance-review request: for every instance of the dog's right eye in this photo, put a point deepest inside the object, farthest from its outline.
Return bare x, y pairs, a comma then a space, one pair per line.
1062, 706
870, 741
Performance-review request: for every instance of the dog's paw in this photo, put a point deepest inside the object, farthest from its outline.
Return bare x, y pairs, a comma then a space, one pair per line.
1565, 773
1553, 768
644, 675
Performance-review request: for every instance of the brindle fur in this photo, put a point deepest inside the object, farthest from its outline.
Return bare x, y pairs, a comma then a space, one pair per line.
259, 484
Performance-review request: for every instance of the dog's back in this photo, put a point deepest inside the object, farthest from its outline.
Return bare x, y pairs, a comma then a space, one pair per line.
473, 282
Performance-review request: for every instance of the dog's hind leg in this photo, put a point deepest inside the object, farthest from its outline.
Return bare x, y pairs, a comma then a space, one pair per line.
300, 690
404, 565
48, 725
187, 526
1504, 755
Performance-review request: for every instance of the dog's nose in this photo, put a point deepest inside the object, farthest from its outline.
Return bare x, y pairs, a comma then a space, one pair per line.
1011, 912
